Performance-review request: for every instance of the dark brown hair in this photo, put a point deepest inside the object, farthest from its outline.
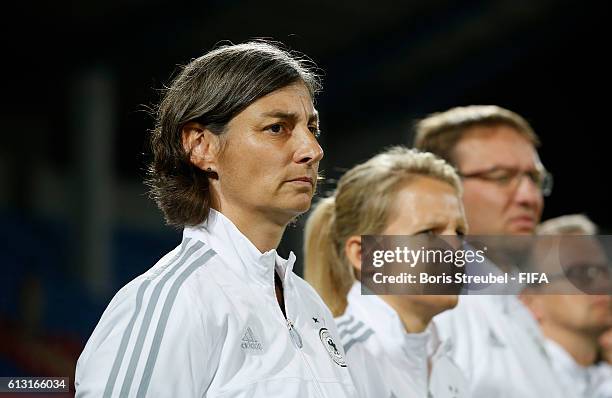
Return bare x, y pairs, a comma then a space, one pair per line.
211, 90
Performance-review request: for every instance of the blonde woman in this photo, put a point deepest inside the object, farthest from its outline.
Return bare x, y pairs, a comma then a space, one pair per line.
390, 342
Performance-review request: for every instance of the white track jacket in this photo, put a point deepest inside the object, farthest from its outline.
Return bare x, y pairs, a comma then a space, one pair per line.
500, 348
584, 381
205, 322
386, 362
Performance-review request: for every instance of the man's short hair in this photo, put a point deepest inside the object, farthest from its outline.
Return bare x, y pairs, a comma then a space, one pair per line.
211, 90
440, 132
572, 224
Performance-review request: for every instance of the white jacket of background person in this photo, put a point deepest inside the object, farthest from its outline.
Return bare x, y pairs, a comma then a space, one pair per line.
585, 381
602, 375
500, 348
205, 322
386, 361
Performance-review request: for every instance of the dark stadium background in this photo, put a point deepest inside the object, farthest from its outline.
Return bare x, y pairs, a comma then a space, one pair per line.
75, 221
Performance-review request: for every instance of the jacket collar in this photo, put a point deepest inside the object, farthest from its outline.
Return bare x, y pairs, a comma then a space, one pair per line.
565, 363
237, 251
381, 317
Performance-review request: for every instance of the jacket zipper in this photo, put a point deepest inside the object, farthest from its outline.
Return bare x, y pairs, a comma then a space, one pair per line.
295, 337
298, 343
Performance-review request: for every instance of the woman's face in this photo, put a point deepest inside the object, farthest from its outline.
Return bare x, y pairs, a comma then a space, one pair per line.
427, 205
270, 158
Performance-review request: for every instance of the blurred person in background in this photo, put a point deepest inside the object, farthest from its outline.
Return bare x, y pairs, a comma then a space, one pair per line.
498, 343
605, 346
392, 347
573, 323
605, 364
235, 159
493, 149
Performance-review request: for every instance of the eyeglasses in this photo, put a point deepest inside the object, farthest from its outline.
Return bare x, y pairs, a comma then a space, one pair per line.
586, 277
507, 177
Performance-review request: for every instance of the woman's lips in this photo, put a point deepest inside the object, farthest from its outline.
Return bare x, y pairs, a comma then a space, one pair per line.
303, 181
523, 222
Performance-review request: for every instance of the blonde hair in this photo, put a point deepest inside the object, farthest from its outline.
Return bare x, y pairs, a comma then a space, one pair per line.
361, 205
440, 132
572, 224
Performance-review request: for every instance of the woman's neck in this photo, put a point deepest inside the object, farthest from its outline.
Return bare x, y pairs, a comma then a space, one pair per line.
263, 231
414, 318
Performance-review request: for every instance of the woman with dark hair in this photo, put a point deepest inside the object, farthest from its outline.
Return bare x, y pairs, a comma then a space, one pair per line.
235, 159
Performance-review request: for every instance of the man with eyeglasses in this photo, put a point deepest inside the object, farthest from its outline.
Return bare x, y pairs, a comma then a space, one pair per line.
497, 342
494, 151
573, 322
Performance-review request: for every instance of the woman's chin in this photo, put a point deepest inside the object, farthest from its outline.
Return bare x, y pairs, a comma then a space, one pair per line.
301, 204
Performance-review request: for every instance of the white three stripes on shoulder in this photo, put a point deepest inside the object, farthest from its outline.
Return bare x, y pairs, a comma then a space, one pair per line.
191, 256
110, 383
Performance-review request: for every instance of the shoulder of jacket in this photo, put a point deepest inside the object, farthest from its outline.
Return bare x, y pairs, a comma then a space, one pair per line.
187, 273
307, 290
354, 333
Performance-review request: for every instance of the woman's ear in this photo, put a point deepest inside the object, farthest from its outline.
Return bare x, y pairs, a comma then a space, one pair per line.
352, 249
201, 145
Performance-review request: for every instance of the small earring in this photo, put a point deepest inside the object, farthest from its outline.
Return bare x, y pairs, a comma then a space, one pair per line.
209, 169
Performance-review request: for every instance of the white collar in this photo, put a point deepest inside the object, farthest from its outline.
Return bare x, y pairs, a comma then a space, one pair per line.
581, 376
381, 317
563, 359
220, 233
513, 307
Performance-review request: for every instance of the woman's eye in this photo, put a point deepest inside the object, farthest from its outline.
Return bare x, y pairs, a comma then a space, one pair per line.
275, 128
315, 130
